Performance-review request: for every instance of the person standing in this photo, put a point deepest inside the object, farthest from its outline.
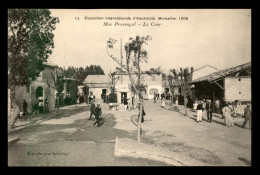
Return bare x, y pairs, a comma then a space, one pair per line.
154, 98
25, 105
98, 112
195, 104
227, 110
163, 102
92, 109
40, 106
199, 111
247, 115
89, 99
143, 113
204, 110
129, 104
125, 102
209, 110
217, 105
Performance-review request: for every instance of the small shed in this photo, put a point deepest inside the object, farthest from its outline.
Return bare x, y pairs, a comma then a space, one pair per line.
230, 84
98, 85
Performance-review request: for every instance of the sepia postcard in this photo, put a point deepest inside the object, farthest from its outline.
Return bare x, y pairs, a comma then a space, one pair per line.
129, 87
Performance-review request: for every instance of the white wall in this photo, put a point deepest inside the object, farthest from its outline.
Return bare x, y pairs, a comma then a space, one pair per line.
237, 90
98, 91
159, 87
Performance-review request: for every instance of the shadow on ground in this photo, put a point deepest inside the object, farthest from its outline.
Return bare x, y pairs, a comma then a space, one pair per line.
80, 130
213, 121
30, 127
197, 153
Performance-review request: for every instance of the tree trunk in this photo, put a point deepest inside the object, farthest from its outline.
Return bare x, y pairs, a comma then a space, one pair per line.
14, 115
184, 96
171, 97
139, 120
177, 100
12, 94
58, 104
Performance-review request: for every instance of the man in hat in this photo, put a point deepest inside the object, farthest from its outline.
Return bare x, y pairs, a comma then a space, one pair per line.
209, 110
247, 115
92, 109
154, 97
98, 113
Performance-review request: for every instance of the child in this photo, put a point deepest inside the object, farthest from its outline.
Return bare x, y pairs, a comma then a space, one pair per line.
97, 114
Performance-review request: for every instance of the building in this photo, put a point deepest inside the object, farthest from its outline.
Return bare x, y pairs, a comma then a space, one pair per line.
230, 84
98, 85
203, 71
153, 83
70, 90
42, 87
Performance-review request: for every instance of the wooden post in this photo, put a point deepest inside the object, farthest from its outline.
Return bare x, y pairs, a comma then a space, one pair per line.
213, 98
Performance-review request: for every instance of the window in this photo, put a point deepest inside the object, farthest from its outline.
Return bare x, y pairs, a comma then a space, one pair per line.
153, 78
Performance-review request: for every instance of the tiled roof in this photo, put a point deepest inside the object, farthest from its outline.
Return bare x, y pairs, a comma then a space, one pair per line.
204, 67
223, 73
97, 79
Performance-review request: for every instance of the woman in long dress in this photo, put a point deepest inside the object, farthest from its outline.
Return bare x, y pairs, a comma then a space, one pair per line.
163, 102
227, 110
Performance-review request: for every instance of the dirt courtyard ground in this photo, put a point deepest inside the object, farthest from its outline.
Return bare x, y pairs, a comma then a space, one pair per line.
212, 143
71, 140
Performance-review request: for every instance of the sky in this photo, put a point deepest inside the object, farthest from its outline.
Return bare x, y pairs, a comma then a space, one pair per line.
217, 37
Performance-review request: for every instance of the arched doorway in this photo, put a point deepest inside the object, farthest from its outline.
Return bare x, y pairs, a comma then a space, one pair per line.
39, 92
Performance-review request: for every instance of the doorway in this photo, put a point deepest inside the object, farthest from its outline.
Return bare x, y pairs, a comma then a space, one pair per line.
123, 94
39, 92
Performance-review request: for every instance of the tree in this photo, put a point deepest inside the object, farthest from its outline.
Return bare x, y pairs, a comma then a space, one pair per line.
94, 70
113, 80
70, 72
58, 76
30, 43
86, 92
135, 54
182, 79
170, 80
80, 75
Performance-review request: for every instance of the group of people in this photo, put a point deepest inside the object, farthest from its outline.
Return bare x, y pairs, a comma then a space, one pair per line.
40, 106
157, 97
204, 108
96, 111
